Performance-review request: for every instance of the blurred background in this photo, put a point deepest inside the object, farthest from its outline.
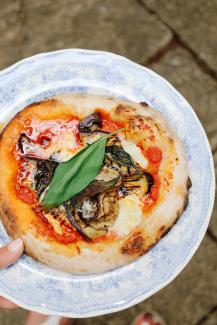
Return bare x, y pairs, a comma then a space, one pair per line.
177, 39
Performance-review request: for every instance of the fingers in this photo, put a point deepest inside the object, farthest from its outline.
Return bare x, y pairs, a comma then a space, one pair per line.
5, 304
10, 254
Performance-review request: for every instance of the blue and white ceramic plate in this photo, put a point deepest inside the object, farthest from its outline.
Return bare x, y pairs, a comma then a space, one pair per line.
37, 287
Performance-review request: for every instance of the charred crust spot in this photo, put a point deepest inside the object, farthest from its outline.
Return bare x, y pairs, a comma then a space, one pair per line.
144, 104
161, 231
189, 183
134, 244
165, 232
147, 248
124, 109
34, 104
171, 141
78, 250
162, 228
158, 128
140, 123
135, 122
46, 101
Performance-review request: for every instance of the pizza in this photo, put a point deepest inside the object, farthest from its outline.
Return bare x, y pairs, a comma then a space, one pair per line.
90, 183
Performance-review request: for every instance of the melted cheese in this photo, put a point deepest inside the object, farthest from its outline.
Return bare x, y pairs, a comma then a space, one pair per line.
63, 142
135, 152
55, 223
65, 148
130, 215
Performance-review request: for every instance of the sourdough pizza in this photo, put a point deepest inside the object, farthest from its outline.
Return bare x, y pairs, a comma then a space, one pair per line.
90, 182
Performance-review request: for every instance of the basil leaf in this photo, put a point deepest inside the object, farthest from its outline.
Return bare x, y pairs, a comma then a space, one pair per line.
74, 175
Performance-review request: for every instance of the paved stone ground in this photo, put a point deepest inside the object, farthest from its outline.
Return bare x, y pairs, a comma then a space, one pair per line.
176, 38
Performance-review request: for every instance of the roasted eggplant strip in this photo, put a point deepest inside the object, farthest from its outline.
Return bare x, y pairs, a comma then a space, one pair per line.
133, 183
94, 233
82, 225
90, 123
97, 187
71, 219
108, 207
118, 155
93, 136
44, 173
107, 212
93, 216
21, 142
25, 145
150, 181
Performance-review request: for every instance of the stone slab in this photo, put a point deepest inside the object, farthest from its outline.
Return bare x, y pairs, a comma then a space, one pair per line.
211, 320
12, 317
10, 33
116, 26
194, 21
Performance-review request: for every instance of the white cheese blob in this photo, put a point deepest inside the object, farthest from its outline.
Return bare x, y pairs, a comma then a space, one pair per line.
130, 215
135, 152
55, 223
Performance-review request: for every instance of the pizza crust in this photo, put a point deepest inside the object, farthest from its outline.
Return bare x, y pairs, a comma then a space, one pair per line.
84, 257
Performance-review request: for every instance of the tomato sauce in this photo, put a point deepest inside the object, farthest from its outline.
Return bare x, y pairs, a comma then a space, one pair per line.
23, 191
109, 125
68, 236
154, 156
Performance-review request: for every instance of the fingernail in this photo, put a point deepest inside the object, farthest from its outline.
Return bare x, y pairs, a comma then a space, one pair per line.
15, 245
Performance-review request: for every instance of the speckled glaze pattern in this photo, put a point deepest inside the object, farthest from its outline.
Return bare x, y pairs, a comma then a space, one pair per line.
37, 287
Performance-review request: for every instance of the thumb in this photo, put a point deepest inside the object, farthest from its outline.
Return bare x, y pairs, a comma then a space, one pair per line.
10, 253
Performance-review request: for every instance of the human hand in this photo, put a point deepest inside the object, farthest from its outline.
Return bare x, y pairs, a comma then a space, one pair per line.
8, 255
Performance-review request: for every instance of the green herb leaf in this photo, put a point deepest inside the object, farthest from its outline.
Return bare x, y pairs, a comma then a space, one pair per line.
74, 175
118, 155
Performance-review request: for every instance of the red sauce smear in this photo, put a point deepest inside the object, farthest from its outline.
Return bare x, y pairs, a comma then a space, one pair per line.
45, 229
23, 191
154, 156
109, 125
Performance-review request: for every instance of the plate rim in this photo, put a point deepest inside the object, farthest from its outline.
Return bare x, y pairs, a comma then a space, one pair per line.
204, 227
